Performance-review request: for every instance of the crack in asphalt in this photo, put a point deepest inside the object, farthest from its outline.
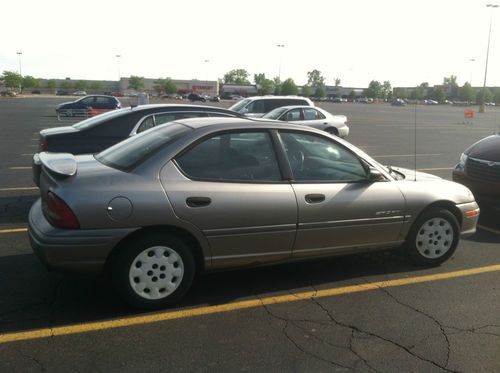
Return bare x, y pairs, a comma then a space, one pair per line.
443, 332
297, 346
328, 313
475, 330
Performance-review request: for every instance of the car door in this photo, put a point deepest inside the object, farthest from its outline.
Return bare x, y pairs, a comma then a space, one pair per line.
339, 209
230, 186
314, 118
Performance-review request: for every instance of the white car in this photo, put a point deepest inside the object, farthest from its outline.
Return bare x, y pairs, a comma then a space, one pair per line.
312, 117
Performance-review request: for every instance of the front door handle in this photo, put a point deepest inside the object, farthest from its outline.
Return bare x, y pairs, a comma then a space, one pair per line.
198, 201
315, 198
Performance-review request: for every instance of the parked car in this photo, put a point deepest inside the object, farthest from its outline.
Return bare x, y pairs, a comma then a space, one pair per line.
8, 93
102, 131
398, 102
257, 106
79, 93
196, 97
431, 102
215, 193
313, 117
479, 170
81, 106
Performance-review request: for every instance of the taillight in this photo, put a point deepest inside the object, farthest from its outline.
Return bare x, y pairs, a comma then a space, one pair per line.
42, 145
59, 214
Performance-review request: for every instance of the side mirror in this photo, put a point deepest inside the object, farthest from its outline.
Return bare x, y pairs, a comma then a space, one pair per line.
375, 175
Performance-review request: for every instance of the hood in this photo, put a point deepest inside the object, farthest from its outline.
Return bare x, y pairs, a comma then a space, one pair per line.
57, 131
487, 149
420, 176
64, 104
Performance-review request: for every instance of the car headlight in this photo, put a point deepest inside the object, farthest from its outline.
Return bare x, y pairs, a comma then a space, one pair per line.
463, 160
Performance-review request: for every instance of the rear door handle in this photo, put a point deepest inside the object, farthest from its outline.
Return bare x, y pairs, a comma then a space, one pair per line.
315, 198
198, 201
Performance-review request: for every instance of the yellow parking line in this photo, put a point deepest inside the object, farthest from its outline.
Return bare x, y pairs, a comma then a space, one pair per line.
253, 303
488, 229
436, 169
16, 189
15, 230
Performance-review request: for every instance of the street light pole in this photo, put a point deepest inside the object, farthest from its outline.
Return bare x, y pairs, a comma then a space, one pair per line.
471, 60
492, 6
118, 65
20, 71
281, 46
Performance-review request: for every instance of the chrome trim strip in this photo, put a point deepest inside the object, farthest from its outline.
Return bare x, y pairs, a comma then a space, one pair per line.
343, 223
250, 230
222, 257
354, 247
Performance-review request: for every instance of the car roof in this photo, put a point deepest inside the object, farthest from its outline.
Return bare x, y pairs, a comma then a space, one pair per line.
296, 107
272, 97
238, 122
180, 106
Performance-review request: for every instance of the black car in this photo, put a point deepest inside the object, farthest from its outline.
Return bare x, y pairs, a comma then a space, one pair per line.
196, 97
80, 106
479, 170
100, 132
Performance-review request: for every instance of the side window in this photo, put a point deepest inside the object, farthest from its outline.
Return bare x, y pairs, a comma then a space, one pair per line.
312, 114
164, 118
101, 100
292, 115
89, 101
239, 156
272, 104
256, 106
146, 124
315, 158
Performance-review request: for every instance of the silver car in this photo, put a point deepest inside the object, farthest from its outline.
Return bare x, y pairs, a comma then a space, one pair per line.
313, 117
205, 194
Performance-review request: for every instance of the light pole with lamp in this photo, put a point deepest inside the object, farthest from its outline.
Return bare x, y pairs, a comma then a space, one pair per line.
118, 56
492, 6
20, 71
471, 60
280, 46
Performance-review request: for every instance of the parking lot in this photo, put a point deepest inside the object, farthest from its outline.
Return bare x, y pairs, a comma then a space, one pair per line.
366, 313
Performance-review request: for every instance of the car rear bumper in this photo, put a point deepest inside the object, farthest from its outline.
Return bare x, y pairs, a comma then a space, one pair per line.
71, 250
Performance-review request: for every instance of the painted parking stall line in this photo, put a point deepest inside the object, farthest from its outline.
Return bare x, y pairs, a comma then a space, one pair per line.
248, 304
13, 230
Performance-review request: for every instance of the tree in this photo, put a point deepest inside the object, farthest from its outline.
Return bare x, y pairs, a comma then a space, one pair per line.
66, 84
11, 79
289, 88
96, 86
317, 83
451, 86
352, 95
236, 76
165, 85
136, 82
320, 91
337, 82
386, 89
81, 85
277, 85
497, 96
483, 96
306, 91
30, 82
438, 94
51, 84
374, 89
265, 86
466, 93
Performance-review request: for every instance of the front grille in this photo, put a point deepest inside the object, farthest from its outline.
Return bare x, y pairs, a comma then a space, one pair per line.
483, 170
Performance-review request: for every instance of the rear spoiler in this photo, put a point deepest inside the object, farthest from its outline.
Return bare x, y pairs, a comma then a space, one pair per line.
59, 164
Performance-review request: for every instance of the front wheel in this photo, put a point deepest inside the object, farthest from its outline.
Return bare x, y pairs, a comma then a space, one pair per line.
153, 271
433, 238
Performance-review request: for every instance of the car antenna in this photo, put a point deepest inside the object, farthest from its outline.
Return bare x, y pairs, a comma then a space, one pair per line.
415, 142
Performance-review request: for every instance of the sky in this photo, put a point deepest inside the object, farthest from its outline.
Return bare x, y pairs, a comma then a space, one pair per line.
356, 41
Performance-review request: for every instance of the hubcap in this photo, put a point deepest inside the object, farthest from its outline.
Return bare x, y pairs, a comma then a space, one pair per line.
156, 272
434, 238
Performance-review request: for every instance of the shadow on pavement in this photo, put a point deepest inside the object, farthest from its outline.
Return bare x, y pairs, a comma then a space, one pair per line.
15, 209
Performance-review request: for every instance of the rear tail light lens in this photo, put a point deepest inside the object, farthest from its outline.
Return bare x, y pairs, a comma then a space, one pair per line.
59, 214
42, 146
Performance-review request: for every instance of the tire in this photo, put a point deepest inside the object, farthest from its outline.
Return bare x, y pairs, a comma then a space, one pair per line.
332, 131
433, 237
153, 271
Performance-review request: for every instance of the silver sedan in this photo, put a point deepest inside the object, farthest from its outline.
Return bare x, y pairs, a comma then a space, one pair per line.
205, 194
313, 117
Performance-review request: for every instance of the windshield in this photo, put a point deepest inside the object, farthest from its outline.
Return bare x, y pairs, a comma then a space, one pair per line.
239, 105
127, 154
87, 123
275, 114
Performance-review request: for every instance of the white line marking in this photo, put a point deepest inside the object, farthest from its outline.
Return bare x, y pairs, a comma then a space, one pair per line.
404, 155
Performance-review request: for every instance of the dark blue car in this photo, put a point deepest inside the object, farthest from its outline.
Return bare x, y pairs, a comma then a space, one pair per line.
82, 105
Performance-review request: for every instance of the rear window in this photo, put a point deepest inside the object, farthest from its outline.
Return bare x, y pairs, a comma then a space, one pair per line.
87, 123
129, 153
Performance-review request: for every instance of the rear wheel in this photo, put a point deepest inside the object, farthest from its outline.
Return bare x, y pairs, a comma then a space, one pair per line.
332, 131
153, 271
433, 238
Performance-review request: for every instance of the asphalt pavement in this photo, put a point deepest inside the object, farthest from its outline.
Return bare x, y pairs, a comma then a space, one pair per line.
361, 313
